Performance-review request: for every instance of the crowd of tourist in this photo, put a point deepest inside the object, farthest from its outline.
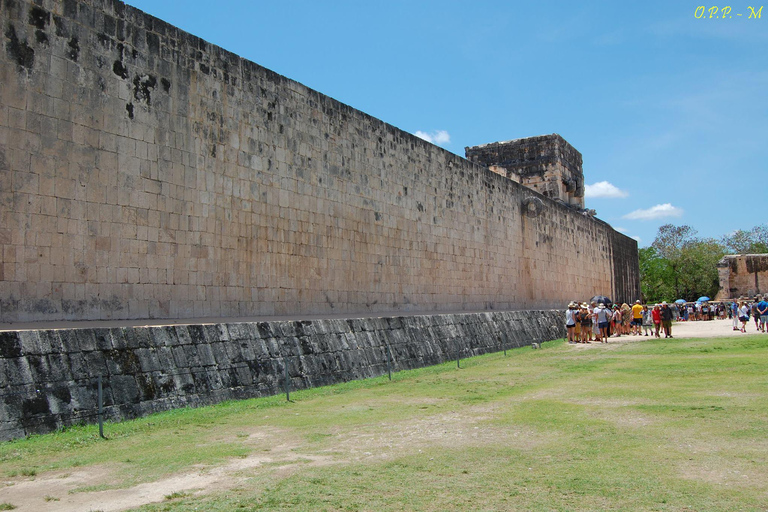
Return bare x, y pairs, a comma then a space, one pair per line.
742, 310
596, 321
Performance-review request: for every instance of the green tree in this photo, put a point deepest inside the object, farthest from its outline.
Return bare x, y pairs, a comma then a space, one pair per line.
754, 241
681, 266
655, 276
699, 274
669, 244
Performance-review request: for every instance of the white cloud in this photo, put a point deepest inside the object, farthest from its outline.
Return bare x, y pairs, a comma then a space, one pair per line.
659, 211
437, 137
636, 238
603, 189
620, 230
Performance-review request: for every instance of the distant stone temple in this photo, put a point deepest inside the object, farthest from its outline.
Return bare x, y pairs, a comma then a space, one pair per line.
547, 164
742, 275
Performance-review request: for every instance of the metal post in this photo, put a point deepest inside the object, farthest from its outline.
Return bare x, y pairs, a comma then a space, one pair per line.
101, 409
389, 363
287, 382
458, 358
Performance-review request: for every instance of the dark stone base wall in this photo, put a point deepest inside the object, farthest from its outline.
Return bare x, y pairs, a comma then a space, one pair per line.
626, 269
48, 378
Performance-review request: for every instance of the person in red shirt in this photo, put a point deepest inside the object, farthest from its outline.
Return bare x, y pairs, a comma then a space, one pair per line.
656, 315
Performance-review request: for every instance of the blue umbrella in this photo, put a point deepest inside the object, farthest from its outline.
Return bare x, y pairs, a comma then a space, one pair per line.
680, 301
702, 299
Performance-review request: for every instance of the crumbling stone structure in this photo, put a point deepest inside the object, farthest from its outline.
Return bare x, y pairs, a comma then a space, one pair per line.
742, 275
547, 164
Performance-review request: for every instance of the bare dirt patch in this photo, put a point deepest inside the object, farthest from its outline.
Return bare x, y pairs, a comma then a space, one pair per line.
384, 441
60, 491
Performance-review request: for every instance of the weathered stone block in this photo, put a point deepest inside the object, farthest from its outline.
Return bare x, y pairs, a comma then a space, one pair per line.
124, 390
96, 362
103, 338
163, 336
14, 344
148, 360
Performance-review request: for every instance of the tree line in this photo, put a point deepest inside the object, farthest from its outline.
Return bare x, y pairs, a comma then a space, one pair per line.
680, 265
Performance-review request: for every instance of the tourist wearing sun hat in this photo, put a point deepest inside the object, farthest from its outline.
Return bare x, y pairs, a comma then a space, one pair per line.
595, 323
626, 318
570, 321
585, 318
577, 327
603, 318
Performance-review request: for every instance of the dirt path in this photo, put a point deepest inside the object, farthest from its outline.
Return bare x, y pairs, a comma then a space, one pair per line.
685, 330
711, 329
58, 491
708, 329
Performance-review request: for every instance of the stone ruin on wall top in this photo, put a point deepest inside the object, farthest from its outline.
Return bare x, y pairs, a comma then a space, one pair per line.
547, 164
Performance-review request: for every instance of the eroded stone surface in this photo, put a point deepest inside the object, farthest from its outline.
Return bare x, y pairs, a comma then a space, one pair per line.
149, 174
743, 275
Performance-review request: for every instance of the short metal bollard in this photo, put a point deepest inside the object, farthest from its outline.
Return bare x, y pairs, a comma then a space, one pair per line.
101, 409
389, 362
287, 382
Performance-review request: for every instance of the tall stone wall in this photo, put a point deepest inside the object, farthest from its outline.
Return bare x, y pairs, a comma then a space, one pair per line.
145, 173
742, 275
48, 378
626, 270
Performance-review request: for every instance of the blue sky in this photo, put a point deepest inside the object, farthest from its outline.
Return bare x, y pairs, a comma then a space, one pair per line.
669, 111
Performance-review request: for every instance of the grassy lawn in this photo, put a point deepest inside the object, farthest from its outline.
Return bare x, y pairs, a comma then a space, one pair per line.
655, 425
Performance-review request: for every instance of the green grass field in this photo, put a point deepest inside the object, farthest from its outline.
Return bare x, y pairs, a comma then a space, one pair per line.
679, 425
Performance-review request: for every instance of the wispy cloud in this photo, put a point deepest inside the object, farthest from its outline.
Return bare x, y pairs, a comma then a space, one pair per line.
620, 230
603, 189
438, 137
659, 211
